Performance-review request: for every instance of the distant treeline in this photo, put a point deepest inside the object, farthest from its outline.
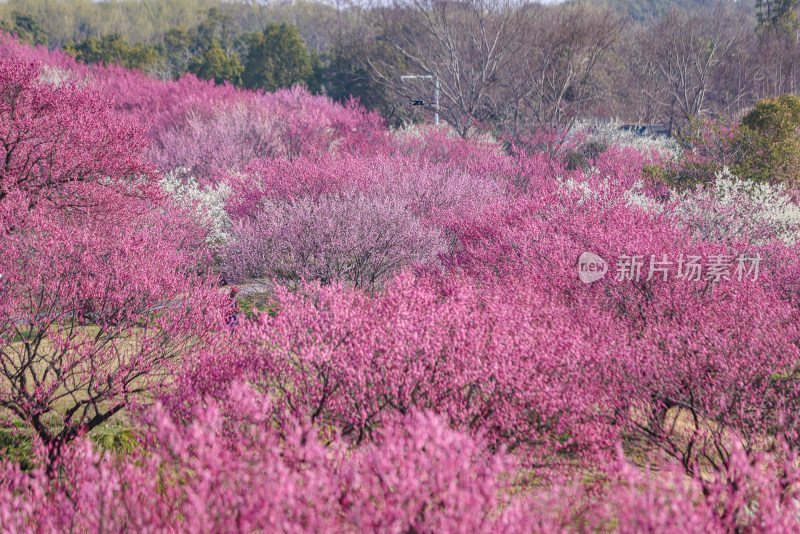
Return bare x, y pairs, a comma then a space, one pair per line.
245, 44
255, 45
148, 21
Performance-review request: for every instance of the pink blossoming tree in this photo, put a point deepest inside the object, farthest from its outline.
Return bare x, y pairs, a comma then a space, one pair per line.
100, 295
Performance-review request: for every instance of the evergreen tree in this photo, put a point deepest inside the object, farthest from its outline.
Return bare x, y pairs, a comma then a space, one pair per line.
277, 58
217, 27
215, 64
26, 27
769, 135
113, 49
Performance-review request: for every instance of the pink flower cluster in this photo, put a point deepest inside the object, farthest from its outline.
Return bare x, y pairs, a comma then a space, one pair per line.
228, 470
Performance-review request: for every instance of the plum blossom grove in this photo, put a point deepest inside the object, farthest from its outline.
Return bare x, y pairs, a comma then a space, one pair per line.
426, 357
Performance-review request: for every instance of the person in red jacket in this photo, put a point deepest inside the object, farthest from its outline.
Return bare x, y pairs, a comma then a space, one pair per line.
232, 316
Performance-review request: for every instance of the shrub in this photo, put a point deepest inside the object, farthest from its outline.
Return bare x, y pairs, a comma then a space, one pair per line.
763, 148
771, 131
215, 138
348, 237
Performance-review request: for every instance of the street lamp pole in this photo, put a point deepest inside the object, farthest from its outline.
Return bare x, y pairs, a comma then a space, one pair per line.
436, 114
436, 92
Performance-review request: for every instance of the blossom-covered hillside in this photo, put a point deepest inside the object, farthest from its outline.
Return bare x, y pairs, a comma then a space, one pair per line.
541, 334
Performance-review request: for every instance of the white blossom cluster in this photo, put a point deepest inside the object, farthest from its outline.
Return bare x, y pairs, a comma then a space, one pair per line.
57, 77
636, 197
735, 209
207, 202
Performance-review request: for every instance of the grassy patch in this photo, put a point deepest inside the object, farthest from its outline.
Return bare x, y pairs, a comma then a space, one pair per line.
16, 441
260, 302
16, 445
115, 437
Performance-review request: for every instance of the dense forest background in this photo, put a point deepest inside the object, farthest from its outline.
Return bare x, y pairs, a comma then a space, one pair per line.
644, 61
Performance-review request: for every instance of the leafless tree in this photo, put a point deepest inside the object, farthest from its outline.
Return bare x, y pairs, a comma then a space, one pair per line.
695, 62
518, 65
780, 58
629, 97
566, 62
471, 46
